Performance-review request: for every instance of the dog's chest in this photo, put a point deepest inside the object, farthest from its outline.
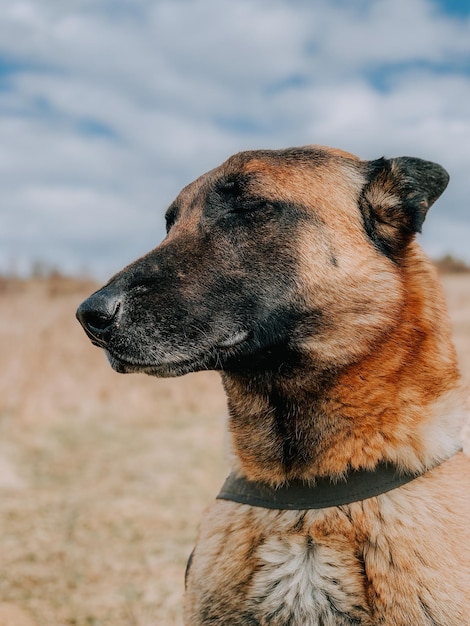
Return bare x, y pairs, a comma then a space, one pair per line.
301, 582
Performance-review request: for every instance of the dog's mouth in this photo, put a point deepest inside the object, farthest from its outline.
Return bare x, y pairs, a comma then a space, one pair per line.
176, 363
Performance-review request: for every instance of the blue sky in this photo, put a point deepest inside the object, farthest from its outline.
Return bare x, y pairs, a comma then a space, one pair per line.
109, 107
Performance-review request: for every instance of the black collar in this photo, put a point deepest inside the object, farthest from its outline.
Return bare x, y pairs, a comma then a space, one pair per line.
298, 495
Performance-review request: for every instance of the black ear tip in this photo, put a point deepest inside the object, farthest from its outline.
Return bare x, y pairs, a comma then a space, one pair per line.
442, 177
437, 179
426, 175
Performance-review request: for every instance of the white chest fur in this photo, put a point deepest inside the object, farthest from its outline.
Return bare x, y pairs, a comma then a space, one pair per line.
303, 583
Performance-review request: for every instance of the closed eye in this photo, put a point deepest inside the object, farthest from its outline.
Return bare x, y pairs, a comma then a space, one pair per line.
250, 205
234, 196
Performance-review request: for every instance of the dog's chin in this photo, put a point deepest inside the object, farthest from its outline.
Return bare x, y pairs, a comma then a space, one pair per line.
169, 366
164, 369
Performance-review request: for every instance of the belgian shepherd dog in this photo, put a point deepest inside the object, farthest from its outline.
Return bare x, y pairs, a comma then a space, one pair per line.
296, 275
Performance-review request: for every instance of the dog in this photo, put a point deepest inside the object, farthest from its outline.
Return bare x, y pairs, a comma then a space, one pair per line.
297, 275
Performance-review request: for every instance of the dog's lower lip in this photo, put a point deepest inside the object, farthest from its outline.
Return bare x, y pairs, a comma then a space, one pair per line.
125, 365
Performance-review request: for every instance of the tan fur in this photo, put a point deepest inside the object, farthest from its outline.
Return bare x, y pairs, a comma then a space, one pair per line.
296, 274
398, 559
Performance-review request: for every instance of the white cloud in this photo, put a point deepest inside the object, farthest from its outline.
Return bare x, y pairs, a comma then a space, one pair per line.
387, 31
108, 108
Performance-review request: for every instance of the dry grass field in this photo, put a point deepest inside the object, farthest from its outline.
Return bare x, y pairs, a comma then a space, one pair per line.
103, 477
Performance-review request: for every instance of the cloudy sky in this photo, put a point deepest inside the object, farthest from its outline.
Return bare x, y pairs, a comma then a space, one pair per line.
109, 107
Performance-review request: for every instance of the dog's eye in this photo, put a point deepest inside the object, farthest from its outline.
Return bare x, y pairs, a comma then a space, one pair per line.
250, 206
233, 194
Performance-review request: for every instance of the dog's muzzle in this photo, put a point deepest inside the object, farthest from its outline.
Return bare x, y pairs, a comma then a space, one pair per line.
99, 315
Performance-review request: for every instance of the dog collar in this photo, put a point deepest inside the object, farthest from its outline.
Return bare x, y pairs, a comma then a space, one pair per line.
299, 495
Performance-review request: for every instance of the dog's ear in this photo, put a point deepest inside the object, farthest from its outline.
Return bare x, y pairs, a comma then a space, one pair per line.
396, 198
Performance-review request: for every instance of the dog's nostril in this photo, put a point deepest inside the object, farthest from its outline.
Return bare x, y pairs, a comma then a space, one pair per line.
98, 321
98, 315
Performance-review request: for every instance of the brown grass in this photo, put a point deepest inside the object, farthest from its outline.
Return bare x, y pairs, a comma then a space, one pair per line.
103, 478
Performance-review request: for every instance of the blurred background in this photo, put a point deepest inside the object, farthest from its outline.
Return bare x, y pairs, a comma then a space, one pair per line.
108, 108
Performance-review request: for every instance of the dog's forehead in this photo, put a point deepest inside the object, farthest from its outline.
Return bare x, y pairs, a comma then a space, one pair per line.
289, 165
313, 176
310, 175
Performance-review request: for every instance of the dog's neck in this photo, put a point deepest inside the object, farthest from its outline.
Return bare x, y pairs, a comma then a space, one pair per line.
395, 404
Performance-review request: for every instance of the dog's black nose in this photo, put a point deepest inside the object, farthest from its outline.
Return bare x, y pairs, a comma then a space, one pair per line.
98, 316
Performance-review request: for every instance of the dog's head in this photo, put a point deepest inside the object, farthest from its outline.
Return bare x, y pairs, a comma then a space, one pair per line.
273, 256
